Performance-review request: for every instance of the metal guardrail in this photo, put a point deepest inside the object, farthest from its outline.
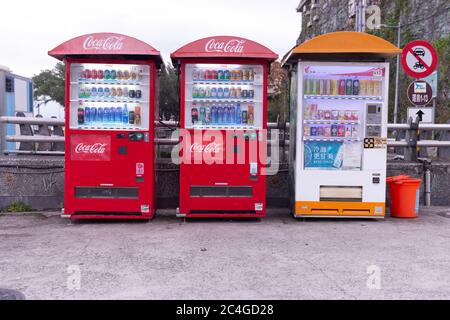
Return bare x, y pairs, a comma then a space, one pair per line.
410, 144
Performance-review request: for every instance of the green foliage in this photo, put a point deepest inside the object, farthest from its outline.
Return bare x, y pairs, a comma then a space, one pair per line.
51, 84
442, 46
278, 102
168, 94
18, 207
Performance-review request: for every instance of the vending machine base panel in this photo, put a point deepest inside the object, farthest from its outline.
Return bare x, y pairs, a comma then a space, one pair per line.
331, 209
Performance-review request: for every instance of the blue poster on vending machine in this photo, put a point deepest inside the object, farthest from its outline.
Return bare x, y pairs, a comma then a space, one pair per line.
323, 155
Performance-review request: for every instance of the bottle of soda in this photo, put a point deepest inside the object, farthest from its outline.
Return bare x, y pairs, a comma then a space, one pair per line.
194, 115
356, 87
93, 115
244, 116
80, 113
233, 114
118, 115
131, 117
202, 114
238, 114
87, 115
342, 87
207, 114
106, 115
100, 115
213, 114
219, 114
125, 115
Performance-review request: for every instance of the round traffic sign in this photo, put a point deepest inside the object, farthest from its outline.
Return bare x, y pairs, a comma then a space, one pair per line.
419, 59
420, 93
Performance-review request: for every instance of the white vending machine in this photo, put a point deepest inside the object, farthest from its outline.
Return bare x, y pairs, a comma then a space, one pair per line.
341, 139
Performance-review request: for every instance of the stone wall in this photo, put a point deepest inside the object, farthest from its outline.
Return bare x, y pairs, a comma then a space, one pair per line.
40, 182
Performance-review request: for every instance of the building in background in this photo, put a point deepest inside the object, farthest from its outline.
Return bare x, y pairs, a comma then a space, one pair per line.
16, 94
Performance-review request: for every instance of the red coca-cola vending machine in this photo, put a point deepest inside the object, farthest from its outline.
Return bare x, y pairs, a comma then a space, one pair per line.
223, 139
111, 104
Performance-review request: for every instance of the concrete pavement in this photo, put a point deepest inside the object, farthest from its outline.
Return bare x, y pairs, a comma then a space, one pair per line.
46, 257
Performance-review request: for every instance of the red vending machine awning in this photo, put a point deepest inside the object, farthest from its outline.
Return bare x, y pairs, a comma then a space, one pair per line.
105, 44
224, 47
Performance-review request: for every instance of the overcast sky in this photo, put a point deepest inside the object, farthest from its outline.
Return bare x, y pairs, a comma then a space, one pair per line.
29, 29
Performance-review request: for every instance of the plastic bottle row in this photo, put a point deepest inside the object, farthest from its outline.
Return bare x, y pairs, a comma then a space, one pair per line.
232, 114
107, 115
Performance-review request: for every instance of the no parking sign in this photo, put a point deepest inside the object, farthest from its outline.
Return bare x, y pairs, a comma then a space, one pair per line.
419, 59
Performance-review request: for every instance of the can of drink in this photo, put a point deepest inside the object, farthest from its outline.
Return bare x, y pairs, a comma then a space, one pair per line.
321, 87
119, 75
251, 94
233, 92
207, 75
133, 75
356, 87
320, 131
208, 92
100, 74
215, 75
329, 87
306, 130
119, 92
244, 94
138, 94
132, 94
348, 131
125, 92
341, 115
113, 75
320, 115
341, 130
315, 86
94, 92
313, 131
201, 92
113, 92
94, 74
100, 92
355, 115
226, 75
87, 74
107, 75
126, 75
107, 92
327, 131
349, 87
363, 87
335, 115
220, 75
87, 92
334, 87
355, 132
342, 87
377, 88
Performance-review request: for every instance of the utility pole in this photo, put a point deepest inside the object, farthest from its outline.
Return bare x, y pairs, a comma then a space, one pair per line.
397, 74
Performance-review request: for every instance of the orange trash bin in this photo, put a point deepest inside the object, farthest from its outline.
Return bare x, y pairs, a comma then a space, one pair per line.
393, 191
405, 198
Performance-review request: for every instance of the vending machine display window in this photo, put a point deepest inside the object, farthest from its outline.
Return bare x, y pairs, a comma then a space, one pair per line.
109, 96
224, 96
336, 102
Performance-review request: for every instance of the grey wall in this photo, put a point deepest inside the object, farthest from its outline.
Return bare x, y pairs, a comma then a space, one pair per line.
40, 182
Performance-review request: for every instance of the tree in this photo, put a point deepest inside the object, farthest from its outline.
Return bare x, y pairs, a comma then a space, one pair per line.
168, 94
51, 84
278, 93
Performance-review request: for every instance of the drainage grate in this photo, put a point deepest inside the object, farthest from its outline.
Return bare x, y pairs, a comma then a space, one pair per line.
8, 294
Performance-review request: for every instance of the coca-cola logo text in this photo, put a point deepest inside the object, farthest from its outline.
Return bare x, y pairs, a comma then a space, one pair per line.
209, 148
96, 148
112, 43
232, 46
